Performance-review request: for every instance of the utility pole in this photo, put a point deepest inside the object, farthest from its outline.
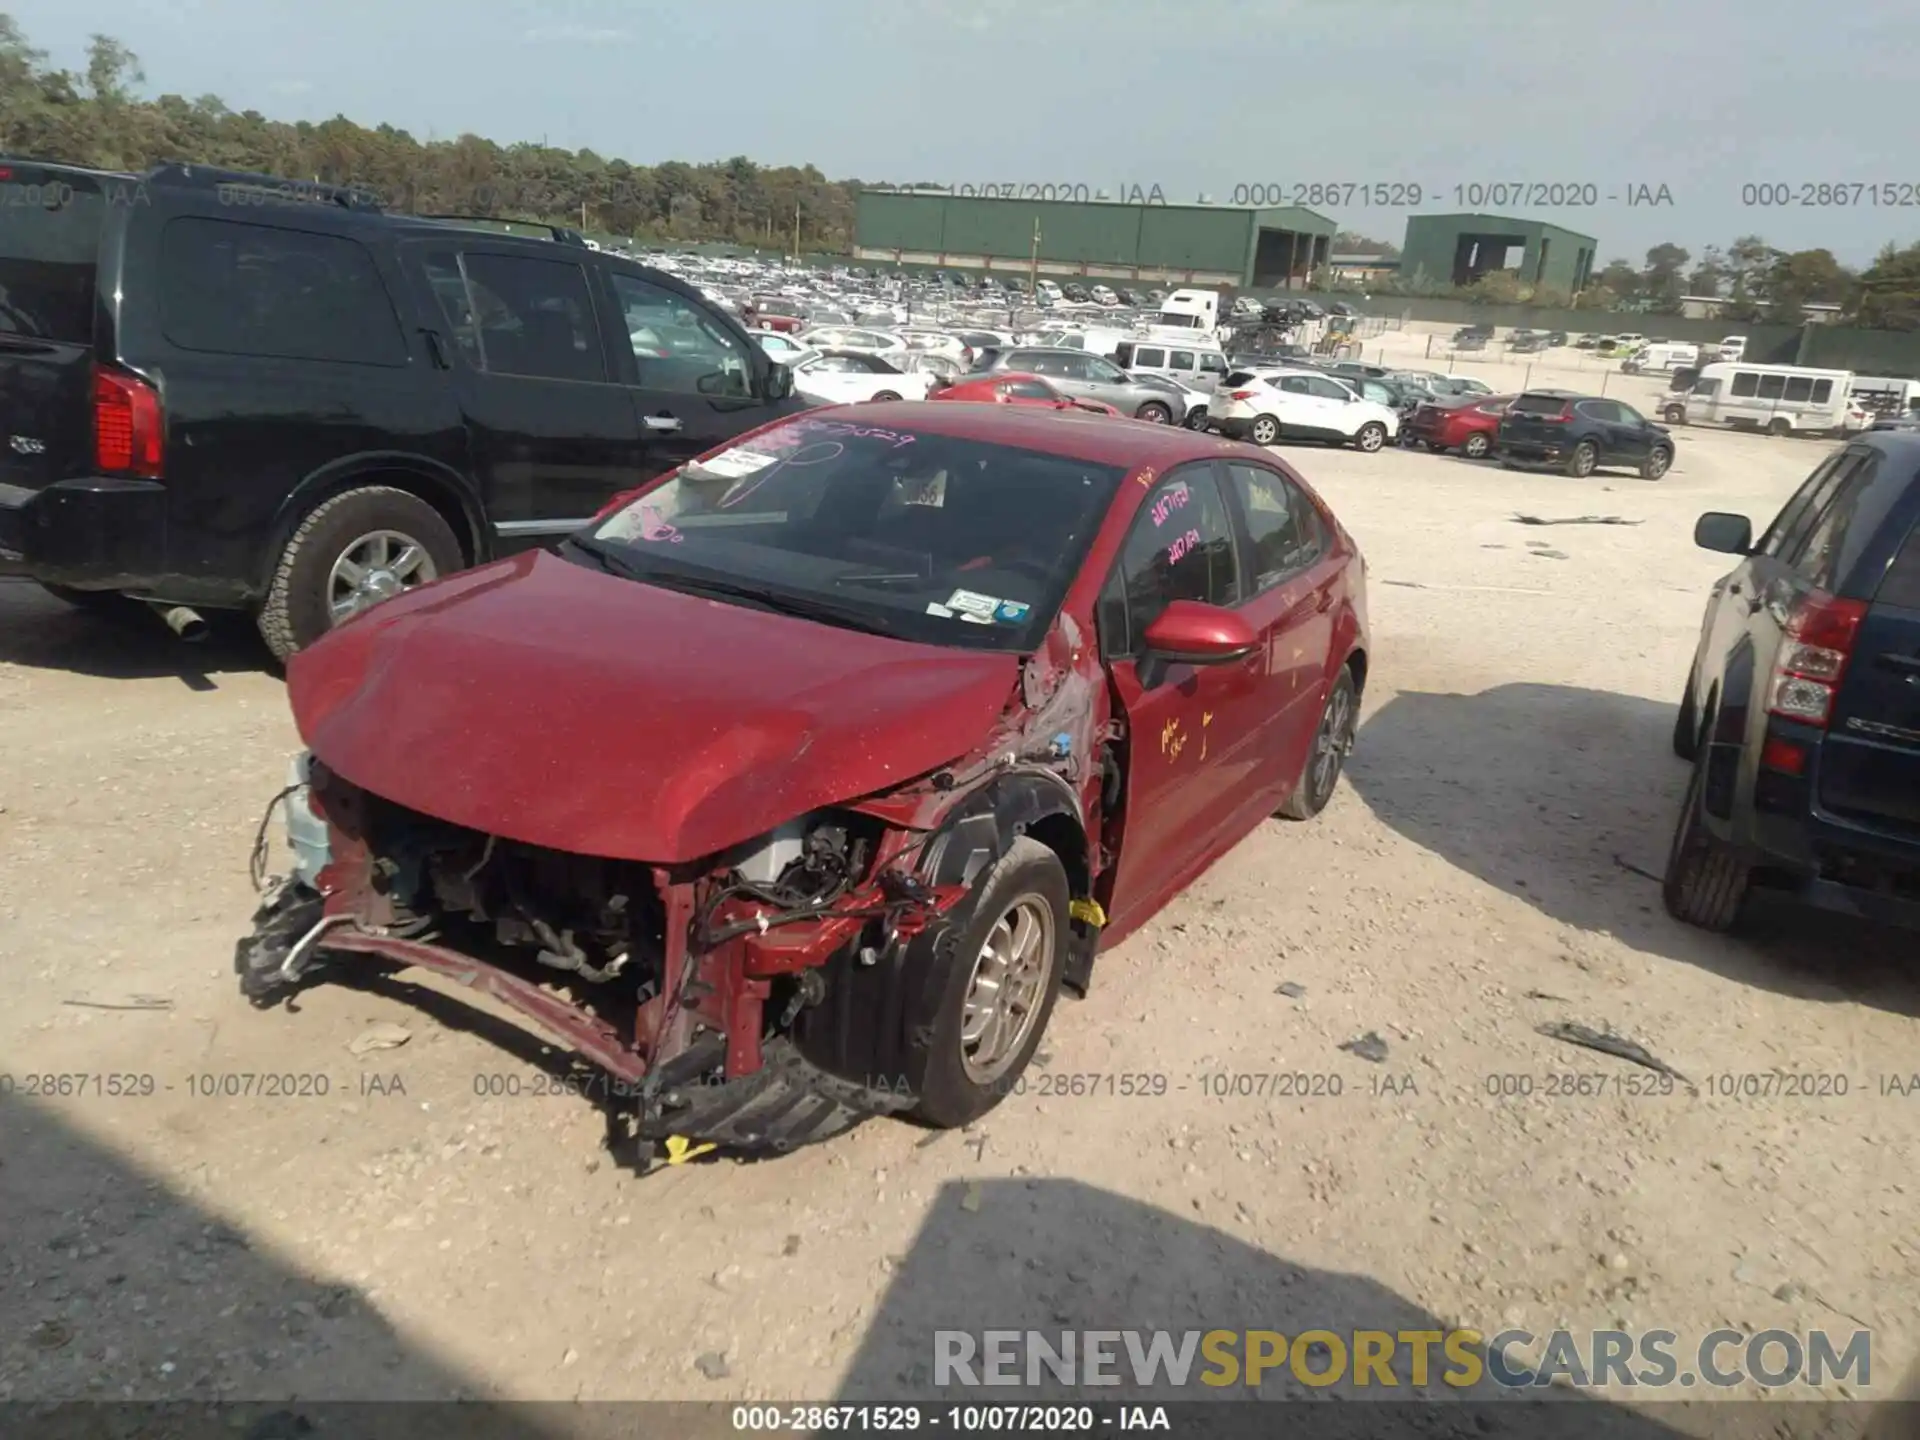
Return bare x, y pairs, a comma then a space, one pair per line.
1033, 264
583, 216
796, 232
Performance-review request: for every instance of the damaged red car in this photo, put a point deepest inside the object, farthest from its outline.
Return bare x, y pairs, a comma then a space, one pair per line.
795, 788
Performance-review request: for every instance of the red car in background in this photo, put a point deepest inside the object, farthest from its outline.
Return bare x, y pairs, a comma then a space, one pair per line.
1466, 424
1019, 389
778, 315
793, 790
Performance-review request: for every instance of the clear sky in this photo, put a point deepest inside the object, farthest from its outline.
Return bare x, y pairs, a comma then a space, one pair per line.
1195, 96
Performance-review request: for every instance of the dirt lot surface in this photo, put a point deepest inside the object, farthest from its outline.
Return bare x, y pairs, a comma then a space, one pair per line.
1485, 870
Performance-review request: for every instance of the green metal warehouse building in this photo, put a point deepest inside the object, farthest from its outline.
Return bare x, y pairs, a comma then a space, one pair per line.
1459, 249
1098, 239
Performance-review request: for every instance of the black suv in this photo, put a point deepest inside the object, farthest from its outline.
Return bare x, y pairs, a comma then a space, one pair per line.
1802, 711
228, 391
1581, 433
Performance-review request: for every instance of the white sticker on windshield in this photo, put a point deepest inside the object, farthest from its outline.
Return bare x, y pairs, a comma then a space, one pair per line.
730, 465
942, 611
978, 619
969, 603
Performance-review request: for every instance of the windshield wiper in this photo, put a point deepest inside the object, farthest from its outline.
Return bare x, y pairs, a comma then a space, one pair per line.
801, 607
607, 558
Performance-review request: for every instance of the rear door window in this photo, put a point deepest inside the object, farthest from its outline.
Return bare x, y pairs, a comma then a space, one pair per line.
1282, 524
544, 327
1538, 405
1147, 358
1818, 557
228, 287
1796, 517
49, 252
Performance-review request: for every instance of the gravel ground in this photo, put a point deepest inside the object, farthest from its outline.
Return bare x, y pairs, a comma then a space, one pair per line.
1486, 869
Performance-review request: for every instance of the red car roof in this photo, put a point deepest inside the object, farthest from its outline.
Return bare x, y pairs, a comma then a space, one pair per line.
1076, 436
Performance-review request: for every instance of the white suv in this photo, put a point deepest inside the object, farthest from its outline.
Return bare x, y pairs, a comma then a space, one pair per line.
1265, 406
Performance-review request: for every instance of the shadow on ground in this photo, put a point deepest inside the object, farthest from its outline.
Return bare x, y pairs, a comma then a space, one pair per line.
1567, 797
131, 643
135, 1312
1050, 1255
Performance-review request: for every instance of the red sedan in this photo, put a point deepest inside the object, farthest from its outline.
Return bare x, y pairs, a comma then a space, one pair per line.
1019, 389
1467, 425
795, 788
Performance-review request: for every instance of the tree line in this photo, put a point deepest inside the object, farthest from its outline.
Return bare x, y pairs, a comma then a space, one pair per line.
96, 117
1754, 282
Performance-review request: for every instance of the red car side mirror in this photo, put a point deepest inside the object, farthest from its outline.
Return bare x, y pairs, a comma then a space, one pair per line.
1190, 633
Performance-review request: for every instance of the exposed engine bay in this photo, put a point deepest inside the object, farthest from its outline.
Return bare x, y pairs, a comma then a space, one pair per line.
761, 998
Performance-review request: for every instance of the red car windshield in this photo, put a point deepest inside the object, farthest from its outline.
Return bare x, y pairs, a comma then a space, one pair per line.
927, 537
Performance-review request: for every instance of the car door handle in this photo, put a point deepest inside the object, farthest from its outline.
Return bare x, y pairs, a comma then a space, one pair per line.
660, 424
435, 348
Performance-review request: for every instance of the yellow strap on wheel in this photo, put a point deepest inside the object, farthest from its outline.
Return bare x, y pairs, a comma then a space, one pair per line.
680, 1150
1088, 911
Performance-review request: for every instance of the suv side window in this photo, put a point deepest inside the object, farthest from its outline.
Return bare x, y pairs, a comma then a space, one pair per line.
1180, 548
1816, 557
1213, 365
543, 328
1102, 370
1147, 358
1282, 523
1799, 513
701, 358
1328, 389
232, 288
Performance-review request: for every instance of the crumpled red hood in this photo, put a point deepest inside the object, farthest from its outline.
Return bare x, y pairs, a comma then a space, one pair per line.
544, 702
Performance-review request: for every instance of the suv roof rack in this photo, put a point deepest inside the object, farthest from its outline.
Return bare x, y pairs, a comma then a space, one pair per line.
210, 177
558, 233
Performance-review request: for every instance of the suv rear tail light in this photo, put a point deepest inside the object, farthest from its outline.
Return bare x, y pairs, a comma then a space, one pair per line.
127, 425
1813, 656
1240, 395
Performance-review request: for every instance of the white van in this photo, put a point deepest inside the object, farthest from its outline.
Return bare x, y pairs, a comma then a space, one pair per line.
1661, 358
1201, 366
1733, 347
1780, 399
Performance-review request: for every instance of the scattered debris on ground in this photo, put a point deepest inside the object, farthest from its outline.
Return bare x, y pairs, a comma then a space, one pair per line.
1608, 1044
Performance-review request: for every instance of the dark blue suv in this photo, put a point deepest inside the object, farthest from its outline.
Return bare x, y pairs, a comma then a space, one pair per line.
1802, 713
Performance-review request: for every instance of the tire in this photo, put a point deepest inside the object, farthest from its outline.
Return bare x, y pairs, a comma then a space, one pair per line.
1332, 739
950, 1091
1154, 413
1197, 420
1265, 430
1686, 725
1584, 460
1476, 447
1707, 881
1370, 437
1656, 464
1675, 415
885, 395
1779, 427
296, 611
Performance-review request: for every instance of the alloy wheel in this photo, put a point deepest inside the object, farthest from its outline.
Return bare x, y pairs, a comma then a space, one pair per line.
373, 568
1006, 990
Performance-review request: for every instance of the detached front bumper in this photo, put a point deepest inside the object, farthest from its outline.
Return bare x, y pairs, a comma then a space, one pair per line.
710, 1054
91, 533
